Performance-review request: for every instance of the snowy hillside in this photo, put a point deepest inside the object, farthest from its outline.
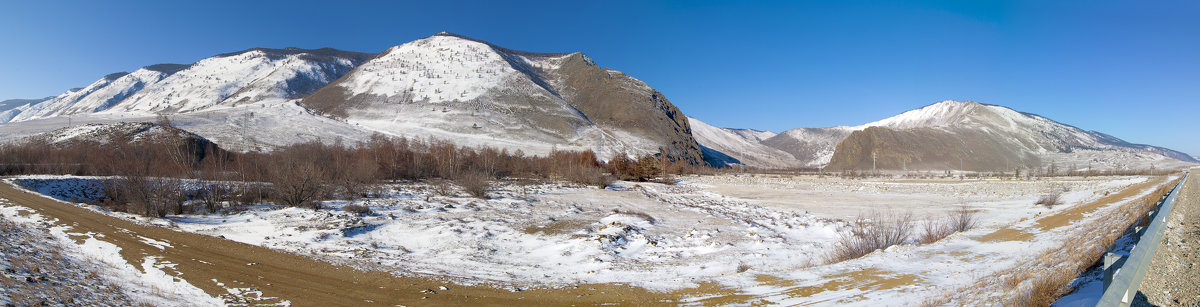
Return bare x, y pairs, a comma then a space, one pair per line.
106, 133
751, 134
812, 147
10, 108
445, 86
1048, 136
956, 129
743, 146
254, 75
456, 88
1011, 138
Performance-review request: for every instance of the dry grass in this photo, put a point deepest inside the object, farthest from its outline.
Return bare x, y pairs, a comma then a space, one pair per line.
1051, 273
1047, 276
961, 219
591, 176
1050, 200
874, 231
475, 184
1044, 290
357, 209
642, 215
934, 230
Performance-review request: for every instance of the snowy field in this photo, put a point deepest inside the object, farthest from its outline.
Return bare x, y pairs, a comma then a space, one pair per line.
759, 235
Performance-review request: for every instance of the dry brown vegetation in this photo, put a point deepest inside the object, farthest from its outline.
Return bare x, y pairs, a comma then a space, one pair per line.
357, 209
961, 219
1050, 200
175, 173
873, 231
1049, 275
879, 230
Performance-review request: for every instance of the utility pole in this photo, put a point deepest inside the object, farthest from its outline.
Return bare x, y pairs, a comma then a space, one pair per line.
873, 167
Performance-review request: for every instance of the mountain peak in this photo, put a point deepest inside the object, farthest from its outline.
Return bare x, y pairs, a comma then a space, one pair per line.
279, 53
944, 113
456, 35
114, 76
167, 68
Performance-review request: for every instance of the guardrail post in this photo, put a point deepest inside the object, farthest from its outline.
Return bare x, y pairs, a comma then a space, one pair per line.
1112, 263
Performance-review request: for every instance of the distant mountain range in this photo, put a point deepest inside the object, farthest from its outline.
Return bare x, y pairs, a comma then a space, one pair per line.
474, 93
949, 135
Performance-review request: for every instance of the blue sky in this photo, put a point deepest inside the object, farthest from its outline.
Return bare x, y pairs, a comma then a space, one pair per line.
1127, 68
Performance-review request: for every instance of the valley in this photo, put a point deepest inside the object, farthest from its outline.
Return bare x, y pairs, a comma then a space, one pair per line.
448, 170
692, 241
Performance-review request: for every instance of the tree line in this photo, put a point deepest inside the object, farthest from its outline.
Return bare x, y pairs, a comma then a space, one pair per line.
174, 172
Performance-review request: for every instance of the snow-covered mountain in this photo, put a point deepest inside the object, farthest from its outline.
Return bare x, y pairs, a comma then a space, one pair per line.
254, 75
456, 88
741, 145
106, 133
446, 86
973, 136
812, 147
474, 93
10, 108
959, 135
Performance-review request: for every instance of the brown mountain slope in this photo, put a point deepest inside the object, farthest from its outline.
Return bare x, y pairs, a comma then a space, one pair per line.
929, 149
461, 89
613, 99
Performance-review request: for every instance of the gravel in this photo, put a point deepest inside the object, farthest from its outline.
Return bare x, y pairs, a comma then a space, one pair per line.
1174, 276
34, 272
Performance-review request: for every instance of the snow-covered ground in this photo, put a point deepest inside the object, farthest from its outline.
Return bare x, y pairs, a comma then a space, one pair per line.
769, 242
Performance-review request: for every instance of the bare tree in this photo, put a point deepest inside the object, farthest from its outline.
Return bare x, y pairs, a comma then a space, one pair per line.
298, 183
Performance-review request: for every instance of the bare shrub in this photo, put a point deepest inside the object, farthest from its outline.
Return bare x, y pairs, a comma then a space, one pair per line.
935, 229
298, 183
442, 188
742, 268
963, 219
213, 195
592, 176
357, 209
875, 231
1050, 200
250, 194
476, 184
154, 197
353, 177
1045, 290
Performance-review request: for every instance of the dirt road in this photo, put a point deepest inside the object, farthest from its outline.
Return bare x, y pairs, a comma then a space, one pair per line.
307, 282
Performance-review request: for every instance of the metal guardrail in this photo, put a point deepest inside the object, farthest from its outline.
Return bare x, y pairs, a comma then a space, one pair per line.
1123, 274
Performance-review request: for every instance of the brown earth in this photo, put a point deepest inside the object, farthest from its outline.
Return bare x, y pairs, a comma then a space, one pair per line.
308, 282
927, 148
1068, 216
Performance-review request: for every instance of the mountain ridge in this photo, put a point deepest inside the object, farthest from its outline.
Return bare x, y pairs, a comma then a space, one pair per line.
463, 89
1008, 136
